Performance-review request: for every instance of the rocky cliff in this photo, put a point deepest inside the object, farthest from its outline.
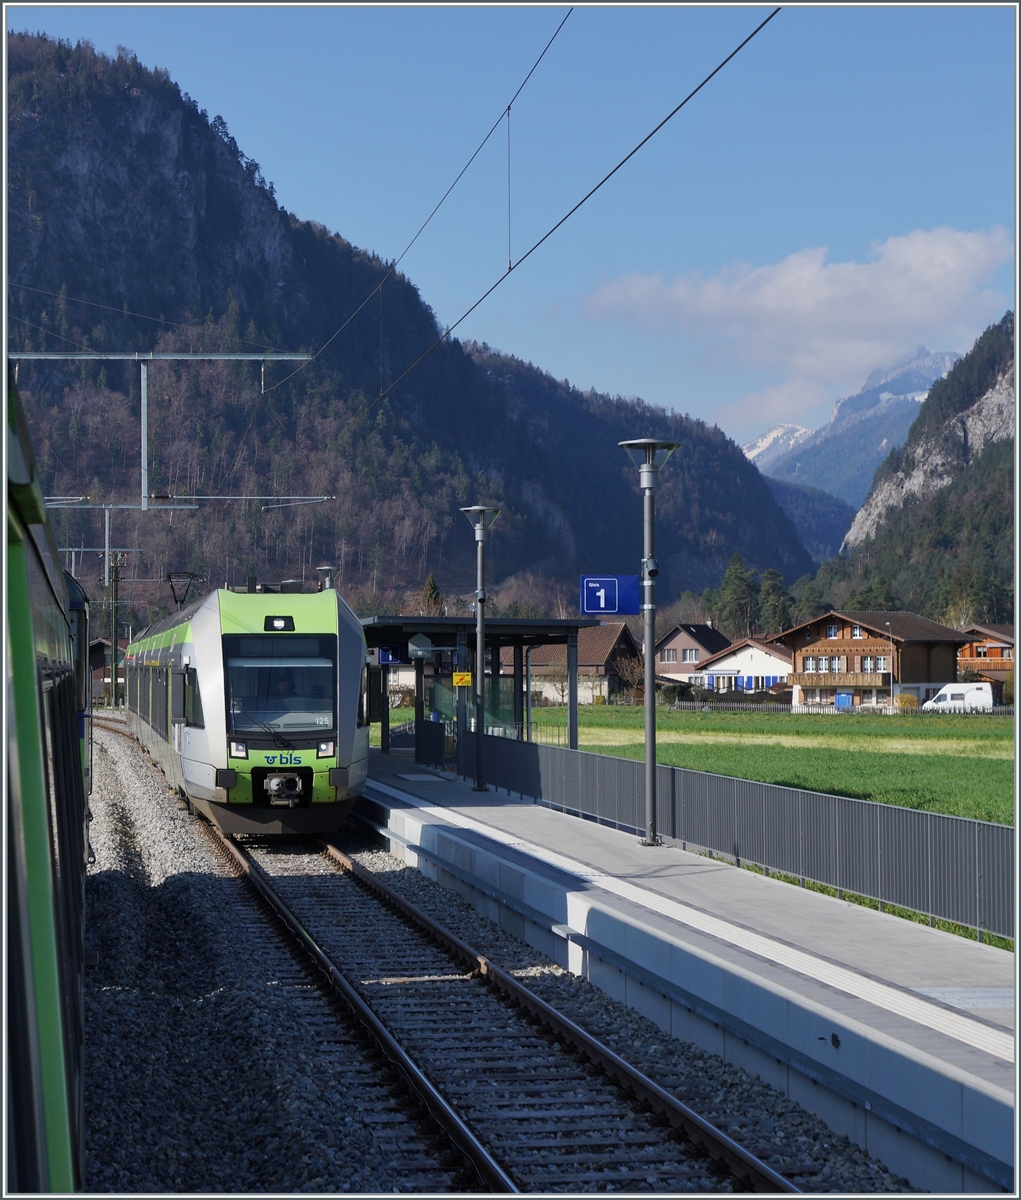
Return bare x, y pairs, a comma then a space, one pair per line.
936, 460
842, 457
936, 533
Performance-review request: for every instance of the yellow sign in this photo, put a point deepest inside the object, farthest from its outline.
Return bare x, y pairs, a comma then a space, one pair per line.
462, 679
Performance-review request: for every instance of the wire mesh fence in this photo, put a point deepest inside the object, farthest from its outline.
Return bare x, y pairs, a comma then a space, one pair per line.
947, 868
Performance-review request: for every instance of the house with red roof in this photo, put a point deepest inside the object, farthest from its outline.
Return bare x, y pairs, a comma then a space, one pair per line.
600, 651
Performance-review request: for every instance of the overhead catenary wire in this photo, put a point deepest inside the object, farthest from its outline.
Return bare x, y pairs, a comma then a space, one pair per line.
421, 229
124, 312
570, 213
49, 332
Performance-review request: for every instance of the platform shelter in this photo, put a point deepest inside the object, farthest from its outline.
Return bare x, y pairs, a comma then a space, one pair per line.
438, 647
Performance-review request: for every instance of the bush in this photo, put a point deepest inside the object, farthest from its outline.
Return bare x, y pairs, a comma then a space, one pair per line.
1008, 688
905, 701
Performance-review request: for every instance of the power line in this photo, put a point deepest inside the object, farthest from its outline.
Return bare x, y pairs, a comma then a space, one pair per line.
570, 213
394, 265
48, 332
124, 312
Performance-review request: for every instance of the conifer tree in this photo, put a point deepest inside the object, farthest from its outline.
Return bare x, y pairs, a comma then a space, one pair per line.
811, 604
738, 598
432, 598
776, 607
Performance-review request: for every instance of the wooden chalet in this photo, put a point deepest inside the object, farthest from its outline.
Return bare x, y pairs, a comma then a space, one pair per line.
988, 655
852, 658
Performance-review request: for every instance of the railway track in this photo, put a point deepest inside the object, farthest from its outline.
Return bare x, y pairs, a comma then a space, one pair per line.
529, 1098
118, 727
402, 1132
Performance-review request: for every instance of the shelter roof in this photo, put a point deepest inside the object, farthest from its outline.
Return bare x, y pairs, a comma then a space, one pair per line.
443, 631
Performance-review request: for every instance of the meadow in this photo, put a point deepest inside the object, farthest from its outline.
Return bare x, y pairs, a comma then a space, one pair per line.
960, 765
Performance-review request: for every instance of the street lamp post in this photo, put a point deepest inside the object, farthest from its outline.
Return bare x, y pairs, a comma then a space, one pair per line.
649, 455
890, 633
482, 519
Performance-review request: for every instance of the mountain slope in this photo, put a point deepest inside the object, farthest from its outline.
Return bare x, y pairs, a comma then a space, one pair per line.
822, 520
124, 194
842, 457
938, 524
775, 444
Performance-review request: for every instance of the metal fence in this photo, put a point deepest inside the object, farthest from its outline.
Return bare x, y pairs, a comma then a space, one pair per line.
825, 710
949, 868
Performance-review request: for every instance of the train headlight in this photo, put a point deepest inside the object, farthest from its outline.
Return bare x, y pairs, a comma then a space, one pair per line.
325, 750
238, 750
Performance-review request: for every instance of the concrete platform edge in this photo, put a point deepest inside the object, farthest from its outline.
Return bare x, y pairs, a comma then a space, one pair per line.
930, 1156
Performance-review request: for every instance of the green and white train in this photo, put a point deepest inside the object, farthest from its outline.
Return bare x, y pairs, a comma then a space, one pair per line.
48, 760
253, 704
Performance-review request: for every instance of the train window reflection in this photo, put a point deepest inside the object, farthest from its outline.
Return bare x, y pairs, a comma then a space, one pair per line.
280, 685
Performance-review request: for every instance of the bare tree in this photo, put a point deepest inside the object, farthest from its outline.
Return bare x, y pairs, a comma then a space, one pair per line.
556, 676
631, 673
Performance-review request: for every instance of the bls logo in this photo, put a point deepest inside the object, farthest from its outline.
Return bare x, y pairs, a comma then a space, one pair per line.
284, 760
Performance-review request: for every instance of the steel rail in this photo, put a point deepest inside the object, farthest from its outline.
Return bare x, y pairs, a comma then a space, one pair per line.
744, 1165
489, 1170
110, 727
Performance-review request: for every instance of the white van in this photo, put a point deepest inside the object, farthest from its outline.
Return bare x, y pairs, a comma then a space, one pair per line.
961, 697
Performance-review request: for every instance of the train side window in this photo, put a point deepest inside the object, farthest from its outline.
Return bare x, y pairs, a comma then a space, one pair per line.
363, 699
80, 644
176, 695
192, 700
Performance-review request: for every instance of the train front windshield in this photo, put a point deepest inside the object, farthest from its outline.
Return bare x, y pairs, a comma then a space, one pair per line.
280, 684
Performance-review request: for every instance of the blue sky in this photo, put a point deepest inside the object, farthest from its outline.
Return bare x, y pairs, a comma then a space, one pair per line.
841, 193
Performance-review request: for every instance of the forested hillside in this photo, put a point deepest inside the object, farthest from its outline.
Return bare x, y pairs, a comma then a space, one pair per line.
822, 520
136, 223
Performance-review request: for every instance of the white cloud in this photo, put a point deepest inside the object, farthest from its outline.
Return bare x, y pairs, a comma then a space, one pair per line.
825, 323
795, 400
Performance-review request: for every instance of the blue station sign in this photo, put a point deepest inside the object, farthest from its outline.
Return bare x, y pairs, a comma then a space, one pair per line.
393, 654
609, 595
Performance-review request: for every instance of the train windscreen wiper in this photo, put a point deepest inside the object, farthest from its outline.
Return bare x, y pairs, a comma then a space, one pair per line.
279, 740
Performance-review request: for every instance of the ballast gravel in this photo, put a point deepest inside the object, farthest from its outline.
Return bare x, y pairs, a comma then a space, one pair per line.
200, 1071
764, 1120
201, 1074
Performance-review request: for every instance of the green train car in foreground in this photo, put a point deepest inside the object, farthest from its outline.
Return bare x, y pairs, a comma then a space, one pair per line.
253, 705
46, 813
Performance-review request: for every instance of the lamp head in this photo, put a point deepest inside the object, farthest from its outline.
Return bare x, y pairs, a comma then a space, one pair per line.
649, 455
482, 518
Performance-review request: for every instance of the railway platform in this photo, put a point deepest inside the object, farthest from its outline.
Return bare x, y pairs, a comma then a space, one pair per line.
899, 1035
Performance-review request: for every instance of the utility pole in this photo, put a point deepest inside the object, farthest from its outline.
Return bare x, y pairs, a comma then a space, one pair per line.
649, 456
113, 634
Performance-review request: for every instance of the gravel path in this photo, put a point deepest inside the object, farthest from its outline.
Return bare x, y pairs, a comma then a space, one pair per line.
211, 1064
771, 1125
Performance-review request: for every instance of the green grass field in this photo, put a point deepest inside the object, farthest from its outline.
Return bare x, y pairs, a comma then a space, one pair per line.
962, 765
